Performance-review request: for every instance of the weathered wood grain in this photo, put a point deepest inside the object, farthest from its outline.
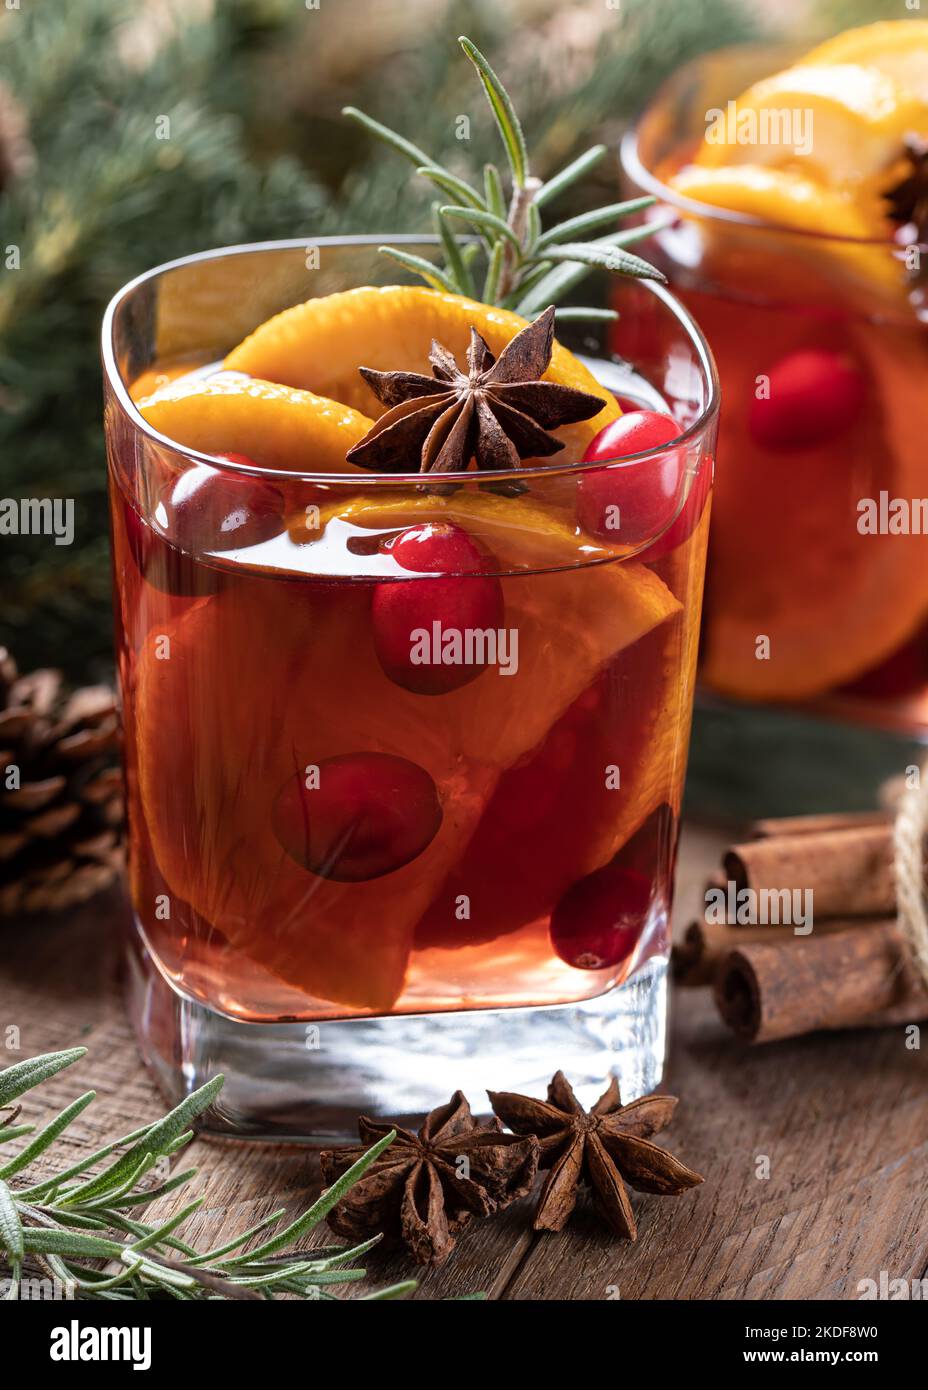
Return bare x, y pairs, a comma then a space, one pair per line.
815, 1151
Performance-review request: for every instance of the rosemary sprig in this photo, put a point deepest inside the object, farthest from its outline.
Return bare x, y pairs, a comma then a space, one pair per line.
526, 268
67, 1224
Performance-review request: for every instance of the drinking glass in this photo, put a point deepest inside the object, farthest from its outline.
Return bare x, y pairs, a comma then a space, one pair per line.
350, 895
815, 597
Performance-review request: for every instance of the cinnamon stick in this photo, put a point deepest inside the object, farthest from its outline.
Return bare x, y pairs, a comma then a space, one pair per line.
846, 979
697, 957
848, 871
772, 826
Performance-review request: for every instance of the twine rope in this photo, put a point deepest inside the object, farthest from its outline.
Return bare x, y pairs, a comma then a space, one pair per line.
909, 832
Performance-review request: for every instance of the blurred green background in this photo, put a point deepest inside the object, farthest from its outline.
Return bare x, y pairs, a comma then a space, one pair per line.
89, 196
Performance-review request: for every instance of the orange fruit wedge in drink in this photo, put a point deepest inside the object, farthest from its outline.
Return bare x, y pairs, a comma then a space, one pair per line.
522, 534
782, 197
161, 375
309, 688
555, 816
849, 253
898, 48
842, 122
275, 425
320, 345
816, 147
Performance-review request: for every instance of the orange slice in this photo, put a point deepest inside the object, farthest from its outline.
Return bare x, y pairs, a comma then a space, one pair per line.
275, 425
300, 683
896, 47
553, 818
845, 253
516, 531
320, 345
158, 377
842, 122
782, 197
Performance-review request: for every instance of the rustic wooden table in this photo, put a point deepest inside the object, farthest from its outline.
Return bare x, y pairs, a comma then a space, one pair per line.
815, 1151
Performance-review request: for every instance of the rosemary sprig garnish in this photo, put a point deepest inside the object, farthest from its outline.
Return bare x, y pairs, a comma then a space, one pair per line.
525, 267
65, 1225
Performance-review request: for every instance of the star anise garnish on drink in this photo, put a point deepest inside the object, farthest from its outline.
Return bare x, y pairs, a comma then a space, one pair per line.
908, 199
426, 1187
605, 1148
497, 413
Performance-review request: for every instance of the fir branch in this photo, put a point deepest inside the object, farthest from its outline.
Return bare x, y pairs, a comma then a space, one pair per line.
67, 1226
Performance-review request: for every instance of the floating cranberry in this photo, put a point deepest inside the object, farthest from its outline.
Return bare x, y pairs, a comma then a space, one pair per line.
162, 565
687, 520
814, 395
627, 404
200, 511
413, 618
205, 510
633, 503
362, 815
599, 919
437, 547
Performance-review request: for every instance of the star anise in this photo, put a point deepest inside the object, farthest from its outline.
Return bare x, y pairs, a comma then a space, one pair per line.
425, 1187
496, 413
908, 199
605, 1148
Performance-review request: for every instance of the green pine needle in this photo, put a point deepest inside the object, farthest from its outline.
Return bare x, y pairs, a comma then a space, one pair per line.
503, 110
457, 265
433, 275
522, 259
485, 222
390, 137
606, 258
66, 1227
570, 174
592, 221
452, 185
493, 194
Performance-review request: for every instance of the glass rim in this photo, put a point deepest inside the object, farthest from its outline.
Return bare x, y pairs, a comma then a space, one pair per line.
643, 176
707, 415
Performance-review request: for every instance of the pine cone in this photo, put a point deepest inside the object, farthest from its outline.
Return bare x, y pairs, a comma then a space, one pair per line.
61, 804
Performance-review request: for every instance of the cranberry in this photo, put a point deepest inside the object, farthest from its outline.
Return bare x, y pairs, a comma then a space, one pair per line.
436, 547
365, 815
462, 600
634, 503
627, 404
687, 520
200, 511
814, 395
164, 566
205, 509
599, 919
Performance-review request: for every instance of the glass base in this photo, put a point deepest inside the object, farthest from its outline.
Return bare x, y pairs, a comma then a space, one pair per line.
310, 1082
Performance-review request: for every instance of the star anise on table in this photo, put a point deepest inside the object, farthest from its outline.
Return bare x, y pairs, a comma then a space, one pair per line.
498, 412
908, 199
426, 1187
605, 1148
